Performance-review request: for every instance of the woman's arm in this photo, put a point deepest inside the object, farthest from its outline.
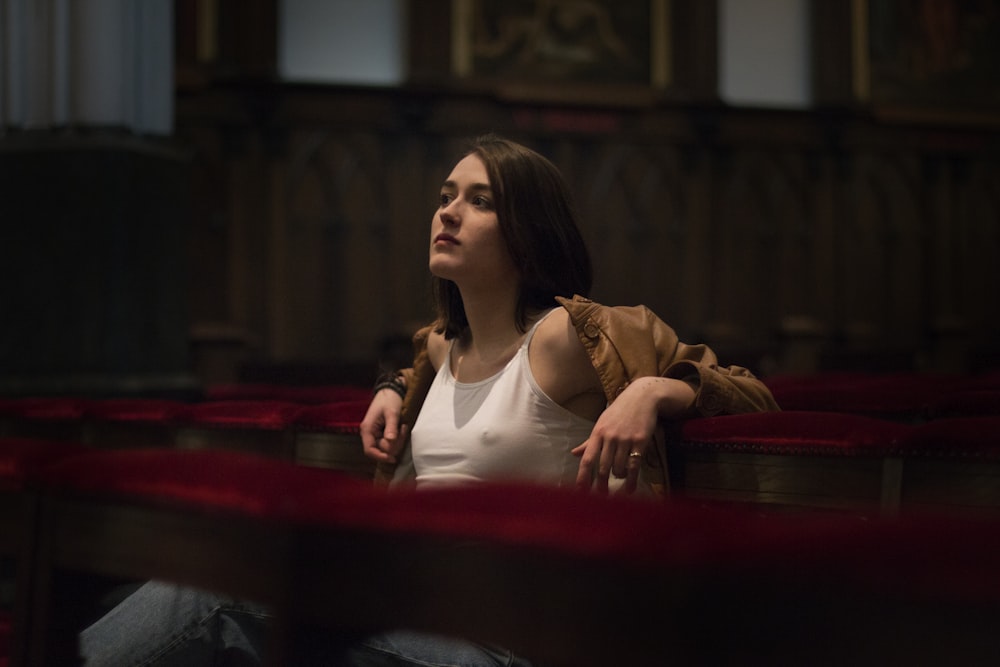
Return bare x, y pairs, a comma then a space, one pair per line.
565, 372
625, 429
383, 434
646, 374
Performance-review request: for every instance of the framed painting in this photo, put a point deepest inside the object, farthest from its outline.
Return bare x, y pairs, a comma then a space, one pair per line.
564, 48
928, 59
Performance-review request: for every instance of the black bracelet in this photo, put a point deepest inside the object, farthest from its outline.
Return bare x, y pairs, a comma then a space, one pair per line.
391, 381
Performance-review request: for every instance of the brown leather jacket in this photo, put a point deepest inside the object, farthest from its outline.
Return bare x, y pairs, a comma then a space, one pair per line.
625, 343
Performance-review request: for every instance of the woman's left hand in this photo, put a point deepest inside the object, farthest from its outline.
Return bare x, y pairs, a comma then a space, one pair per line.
625, 429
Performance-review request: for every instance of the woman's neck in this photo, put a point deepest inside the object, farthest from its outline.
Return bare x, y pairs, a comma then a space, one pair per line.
493, 335
492, 324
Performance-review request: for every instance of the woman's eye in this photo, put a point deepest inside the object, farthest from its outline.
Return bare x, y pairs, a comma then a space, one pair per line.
445, 199
481, 202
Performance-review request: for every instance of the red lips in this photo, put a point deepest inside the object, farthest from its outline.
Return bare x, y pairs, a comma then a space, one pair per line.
446, 238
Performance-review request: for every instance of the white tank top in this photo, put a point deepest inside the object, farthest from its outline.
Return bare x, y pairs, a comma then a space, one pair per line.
503, 428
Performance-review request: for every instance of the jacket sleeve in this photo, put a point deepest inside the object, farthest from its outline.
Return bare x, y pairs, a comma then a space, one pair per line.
418, 380
719, 389
628, 342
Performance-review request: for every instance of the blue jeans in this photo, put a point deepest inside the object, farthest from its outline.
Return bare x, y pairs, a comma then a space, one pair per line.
167, 626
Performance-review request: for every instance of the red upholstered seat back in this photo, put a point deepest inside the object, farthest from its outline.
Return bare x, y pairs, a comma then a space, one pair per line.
919, 556
252, 415
957, 439
134, 410
340, 417
5, 633
965, 403
793, 432
305, 394
58, 417
216, 480
901, 396
59, 408
21, 459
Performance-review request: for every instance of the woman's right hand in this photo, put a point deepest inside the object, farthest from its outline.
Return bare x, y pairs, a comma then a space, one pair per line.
381, 433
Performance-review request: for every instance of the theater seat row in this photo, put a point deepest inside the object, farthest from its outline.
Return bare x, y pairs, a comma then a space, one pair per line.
839, 461
880, 447
910, 397
323, 434
561, 577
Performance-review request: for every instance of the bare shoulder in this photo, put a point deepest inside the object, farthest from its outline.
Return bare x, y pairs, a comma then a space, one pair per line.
559, 361
556, 339
437, 348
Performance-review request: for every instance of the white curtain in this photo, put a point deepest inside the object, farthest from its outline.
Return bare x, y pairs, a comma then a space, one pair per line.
73, 63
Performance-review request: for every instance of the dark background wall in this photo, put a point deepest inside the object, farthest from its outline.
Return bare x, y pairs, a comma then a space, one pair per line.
94, 264
282, 232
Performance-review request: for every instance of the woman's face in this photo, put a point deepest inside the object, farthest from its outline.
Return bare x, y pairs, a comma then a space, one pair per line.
466, 244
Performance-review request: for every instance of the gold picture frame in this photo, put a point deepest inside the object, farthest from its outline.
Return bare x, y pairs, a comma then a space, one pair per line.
927, 61
567, 49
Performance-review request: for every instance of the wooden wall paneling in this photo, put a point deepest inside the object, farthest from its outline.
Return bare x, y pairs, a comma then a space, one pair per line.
366, 293
334, 216
695, 37
668, 261
247, 37
635, 205
611, 211
411, 189
219, 341
977, 223
812, 224
832, 65
250, 266
945, 331
309, 253
280, 292
794, 324
698, 165
429, 42
314, 226
805, 332
209, 238
881, 249
745, 264
93, 264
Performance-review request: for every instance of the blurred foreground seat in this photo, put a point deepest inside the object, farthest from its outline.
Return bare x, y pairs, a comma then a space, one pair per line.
329, 435
21, 461
561, 577
823, 460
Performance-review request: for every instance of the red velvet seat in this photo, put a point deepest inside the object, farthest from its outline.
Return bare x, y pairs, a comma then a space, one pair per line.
241, 391
305, 394
989, 379
263, 427
211, 518
558, 576
6, 626
56, 417
965, 403
21, 461
901, 396
132, 422
328, 435
684, 583
319, 394
798, 458
952, 465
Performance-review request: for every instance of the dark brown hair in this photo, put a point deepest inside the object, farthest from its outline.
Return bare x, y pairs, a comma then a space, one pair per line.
538, 222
